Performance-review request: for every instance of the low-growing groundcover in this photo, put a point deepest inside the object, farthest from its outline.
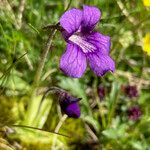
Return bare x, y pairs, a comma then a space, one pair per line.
74, 74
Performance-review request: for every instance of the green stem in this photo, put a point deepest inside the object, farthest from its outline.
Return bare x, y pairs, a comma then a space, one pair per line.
99, 104
33, 103
43, 59
113, 102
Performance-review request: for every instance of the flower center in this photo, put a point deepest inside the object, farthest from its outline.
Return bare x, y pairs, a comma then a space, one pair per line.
82, 43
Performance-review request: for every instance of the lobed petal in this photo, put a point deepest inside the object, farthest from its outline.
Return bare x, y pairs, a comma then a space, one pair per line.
73, 61
100, 41
71, 20
100, 64
91, 16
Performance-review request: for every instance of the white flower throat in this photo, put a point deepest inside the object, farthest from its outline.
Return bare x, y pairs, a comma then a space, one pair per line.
82, 43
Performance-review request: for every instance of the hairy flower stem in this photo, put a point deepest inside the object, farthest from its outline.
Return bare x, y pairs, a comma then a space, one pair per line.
43, 58
33, 105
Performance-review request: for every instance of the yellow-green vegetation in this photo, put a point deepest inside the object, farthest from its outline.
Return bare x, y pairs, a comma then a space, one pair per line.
115, 116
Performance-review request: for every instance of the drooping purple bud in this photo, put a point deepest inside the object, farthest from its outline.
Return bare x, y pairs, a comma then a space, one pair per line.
134, 113
72, 110
101, 92
69, 105
131, 91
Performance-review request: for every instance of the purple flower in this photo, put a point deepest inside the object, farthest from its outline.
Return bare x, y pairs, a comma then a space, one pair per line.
131, 91
69, 105
83, 44
134, 113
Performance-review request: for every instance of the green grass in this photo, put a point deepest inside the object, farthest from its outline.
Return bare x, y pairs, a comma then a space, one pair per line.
103, 124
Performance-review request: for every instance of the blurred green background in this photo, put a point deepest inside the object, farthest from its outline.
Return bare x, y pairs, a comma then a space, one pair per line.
104, 122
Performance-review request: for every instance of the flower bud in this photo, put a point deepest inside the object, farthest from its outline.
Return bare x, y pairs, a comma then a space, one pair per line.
130, 91
134, 113
69, 105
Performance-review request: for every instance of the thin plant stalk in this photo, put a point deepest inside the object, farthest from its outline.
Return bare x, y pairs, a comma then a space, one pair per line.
43, 58
32, 105
62, 120
113, 102
99, 105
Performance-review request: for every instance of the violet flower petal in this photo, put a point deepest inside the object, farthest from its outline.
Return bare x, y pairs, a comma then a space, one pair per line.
91, 16
71, 20
100, 64
73, 61
72, 110
100, 41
